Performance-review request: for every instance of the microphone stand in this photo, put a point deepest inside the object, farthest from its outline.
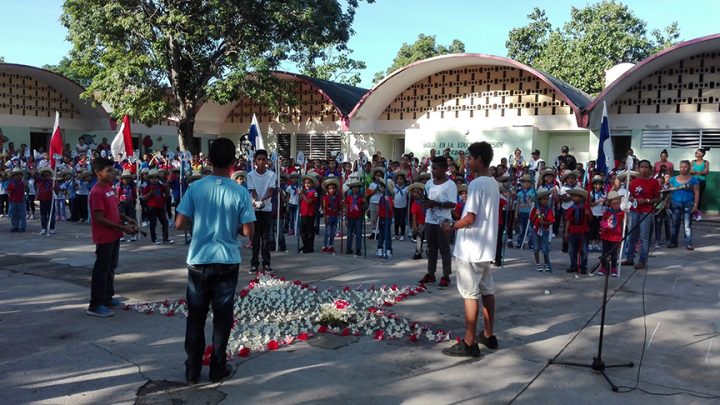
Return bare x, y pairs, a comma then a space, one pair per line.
598, 364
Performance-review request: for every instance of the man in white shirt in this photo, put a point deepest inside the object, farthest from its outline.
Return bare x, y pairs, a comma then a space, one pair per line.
441, 200
475, 244
261, 183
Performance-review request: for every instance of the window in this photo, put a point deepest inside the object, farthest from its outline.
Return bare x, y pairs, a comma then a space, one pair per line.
655, 138
680, 138
685, 138
318, 146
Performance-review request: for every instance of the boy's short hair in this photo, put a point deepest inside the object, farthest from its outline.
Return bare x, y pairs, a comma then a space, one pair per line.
645, 161
440, 161
261, 152
483, 151
100, 163
222, 153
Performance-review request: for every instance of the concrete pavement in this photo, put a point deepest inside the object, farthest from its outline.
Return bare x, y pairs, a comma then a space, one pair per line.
51, 352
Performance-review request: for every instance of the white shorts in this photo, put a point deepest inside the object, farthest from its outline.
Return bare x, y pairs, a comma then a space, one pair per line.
474, 279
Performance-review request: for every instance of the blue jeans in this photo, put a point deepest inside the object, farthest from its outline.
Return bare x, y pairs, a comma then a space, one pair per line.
384, 234
291, 217
330, 231
642, 232
682, 212
578, 245
354, 231
523, 218
541, 243
210, 284
17, 216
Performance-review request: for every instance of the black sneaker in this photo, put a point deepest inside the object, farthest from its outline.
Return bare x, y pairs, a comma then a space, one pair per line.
192, 374
220, 375
268, 269
571, 270
349, 252
417, 256
461, 349
489, 342
372, 236
253, 269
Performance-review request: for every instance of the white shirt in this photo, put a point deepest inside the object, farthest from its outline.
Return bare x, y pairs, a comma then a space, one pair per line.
477, 242
446, 192
401, 196
291, 191
261, 183
563, 191
375, 197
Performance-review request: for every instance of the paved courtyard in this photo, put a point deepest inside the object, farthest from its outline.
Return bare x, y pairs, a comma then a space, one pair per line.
51, 352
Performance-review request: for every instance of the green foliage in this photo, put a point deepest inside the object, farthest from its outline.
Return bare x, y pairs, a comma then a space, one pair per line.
424, 47
151, 58
334, 65
2, 59
66, 68
597, 37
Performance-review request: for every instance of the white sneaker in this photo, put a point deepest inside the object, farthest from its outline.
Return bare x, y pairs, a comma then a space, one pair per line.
389, 254
379, 253
145, 223
133, 238
43, 232
52, 232
123, 240
402, 238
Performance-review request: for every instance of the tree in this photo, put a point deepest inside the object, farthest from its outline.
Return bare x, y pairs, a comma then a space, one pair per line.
152, 58
2, 59
424, 47
597, 37
334, 65
65, 67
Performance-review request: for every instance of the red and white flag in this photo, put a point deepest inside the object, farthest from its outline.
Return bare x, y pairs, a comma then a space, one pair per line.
56, 141
121, 147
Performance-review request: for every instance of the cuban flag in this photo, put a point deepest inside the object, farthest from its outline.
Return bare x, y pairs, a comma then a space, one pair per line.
255, 136
606, 158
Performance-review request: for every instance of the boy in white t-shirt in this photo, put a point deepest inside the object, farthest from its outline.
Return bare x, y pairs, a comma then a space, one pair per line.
261, 184
474, 251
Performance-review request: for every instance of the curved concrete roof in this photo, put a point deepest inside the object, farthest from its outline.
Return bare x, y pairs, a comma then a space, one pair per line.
67, 88
679, 51
374, 102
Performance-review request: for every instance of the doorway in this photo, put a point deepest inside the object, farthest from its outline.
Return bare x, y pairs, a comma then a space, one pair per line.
398, 148
621, 144
39, 141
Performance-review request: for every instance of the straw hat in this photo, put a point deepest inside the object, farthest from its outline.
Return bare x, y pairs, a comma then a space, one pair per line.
145, 170
239, 173
462, 187
547, 172
424, 176
378, 169
622, 176
330, 180
353, 183
390, 185
17, 170
417, 185
597, 179
578, 191
526, 177
153, 173
505, 177
613, 195
312, 178
569, 173
542, 193
402, 173
126, 174
45, 169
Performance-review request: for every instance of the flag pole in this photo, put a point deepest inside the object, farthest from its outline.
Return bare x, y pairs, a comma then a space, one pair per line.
52, 206
277, 223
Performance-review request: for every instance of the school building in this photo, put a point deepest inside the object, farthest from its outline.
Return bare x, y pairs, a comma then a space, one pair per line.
669, 101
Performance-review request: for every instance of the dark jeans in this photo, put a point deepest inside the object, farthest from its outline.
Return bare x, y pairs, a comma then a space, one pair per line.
437, 240
354, 231
127, 208
578, 250
210, 284
307, 234
330, 231
261, 238
291, 217
30, 204
400, 221
662, 219
612, 257
499, 245
4, 204
155, 214
45, 206
682, 213
102, 286
273, 233
384, 239
81, 206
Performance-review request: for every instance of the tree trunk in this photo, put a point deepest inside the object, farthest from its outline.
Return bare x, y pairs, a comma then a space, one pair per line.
186, 131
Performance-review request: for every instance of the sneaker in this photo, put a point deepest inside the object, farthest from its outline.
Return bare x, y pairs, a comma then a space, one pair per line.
462, 349
510, 244
444, 282
489, 342
388, 255
571, 270
268, 269
221, 375
52, 232
689, 247
417, 255
583, 270
379, 253
428, 278
133, 238
614, 273
372, 236
168, 241
600, 272
324, 249
627, 262
156, 242
640, 266
349, 252
114, 302
123, 240
145, 224
402, 238
547, 267
32, 216
413, 240
100, 310
539, 267
253, 270
396, 237
657, 245
43, 232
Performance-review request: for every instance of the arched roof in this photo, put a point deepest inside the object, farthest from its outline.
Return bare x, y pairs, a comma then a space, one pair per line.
677, 52
374, 102
64, 86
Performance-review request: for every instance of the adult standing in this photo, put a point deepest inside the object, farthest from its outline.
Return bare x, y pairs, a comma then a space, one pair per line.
669, 168
441, 200
534, 162
684, 203
567, 158
261, 185
215, 208
474, 251
645, 191
700, 168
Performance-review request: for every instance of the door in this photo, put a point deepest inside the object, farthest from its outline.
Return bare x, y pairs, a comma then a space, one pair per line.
398, 148
39, 141
621, 144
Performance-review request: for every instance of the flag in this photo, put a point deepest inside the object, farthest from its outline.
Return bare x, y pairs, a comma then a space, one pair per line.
56, 141
606, 158
122, 144
255, 136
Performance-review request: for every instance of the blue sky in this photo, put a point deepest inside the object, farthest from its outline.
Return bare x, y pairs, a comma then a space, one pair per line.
31, 33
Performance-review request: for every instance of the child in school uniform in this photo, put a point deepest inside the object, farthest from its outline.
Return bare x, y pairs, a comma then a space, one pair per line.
611, 233
154, 193
502, 206
332, 206
542, 217
417, 213
16, 199
385, 215
401, 204
45, 198
308, 201
597, 206
126, 194
81, 195
524, 200
293, 202
30, 194
354, 211
374, 196
240, 177
577, 226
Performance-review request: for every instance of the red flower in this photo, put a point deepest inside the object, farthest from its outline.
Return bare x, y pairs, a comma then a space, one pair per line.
207, 354
303, 336
297, 282
272, 345
282, 278
411, 292
323, 329
346, 289
394, 287
457, 339
126, 308
305, 285
251, 285
170, 313
345, 332
372, 310
341, 304
208, 350
387, 304
244, 352
379, 335
166, 303
399, 298
244, 292
182, 301
413, 338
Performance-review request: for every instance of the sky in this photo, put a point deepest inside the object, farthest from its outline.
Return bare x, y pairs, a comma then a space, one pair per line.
32, 34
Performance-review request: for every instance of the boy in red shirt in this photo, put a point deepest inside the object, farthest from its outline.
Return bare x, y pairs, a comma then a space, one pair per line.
126, 194
417, 212
308, 201
542, 217
332, 205
611, 233
45, 197
354, 209
577, 220
645, 191
107, 228
154, 195
385, 216
16, 198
